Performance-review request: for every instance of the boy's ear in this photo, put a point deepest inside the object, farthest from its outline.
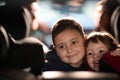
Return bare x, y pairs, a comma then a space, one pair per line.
85, 37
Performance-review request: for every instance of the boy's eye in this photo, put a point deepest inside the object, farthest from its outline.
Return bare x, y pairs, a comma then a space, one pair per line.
61, 46
74, 42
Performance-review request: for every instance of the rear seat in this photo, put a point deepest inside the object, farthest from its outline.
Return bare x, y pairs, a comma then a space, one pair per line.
8, 71
115, 23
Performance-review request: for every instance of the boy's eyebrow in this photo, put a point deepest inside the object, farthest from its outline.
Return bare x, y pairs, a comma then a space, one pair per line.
78, 38
59, 44
70, 40
74, 39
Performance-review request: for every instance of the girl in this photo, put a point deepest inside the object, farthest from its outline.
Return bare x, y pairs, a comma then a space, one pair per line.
98, 47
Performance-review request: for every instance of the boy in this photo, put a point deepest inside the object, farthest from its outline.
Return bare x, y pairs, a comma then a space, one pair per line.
68, 47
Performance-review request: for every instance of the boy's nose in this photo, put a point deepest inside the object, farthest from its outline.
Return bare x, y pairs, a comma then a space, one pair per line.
69, 49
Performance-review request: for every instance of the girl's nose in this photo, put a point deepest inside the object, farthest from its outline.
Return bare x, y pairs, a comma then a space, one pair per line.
96, 57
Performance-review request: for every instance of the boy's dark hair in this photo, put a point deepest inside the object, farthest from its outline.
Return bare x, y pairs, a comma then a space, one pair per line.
64, 24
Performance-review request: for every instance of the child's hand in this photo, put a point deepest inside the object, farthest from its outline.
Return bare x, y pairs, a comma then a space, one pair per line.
116, 52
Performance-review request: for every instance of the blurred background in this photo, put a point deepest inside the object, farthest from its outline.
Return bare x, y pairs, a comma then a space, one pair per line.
46, 12
50, 10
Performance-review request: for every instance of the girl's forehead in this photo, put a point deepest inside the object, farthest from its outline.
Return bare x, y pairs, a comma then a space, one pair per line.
96, 46
96, 42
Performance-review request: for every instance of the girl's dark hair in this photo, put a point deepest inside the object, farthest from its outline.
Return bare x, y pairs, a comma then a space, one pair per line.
66, 23
104, 37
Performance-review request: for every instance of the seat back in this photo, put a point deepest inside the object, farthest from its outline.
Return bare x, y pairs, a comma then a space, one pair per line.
8, 72
27, 53
4, 44
16, 20
20, 54
115, 23
16, 74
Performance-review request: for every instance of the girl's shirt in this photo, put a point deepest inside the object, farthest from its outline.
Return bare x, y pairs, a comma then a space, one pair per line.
112, 61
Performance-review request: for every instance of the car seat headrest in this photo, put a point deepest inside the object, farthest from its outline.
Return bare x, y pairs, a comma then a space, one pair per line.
20, 2
4, 44
16, 20
115, 23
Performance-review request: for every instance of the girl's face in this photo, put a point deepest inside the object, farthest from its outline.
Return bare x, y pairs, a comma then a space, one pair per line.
69, 45
94, 53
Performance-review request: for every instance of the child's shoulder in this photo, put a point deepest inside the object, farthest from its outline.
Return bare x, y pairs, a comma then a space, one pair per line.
52, 55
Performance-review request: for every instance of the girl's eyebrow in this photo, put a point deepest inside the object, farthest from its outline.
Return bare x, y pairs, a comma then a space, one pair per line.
102, 47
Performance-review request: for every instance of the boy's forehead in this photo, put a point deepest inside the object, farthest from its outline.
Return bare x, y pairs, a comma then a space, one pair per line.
68, 36
72, 30
69, 32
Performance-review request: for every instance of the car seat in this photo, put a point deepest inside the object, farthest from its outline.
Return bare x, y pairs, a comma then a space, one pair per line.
16, 20
115, 23
18, 55
26, 53
4, 44
78, 75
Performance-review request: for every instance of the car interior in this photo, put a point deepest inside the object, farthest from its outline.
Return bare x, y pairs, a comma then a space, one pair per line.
22, 55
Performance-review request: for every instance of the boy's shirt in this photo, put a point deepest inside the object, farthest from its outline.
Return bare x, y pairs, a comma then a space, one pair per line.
53, 63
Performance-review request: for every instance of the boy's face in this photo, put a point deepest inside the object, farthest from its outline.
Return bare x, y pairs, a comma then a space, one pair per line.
94, 53
70, 47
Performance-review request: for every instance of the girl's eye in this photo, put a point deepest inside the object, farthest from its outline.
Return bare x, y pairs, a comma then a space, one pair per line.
89, 54
102, 51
